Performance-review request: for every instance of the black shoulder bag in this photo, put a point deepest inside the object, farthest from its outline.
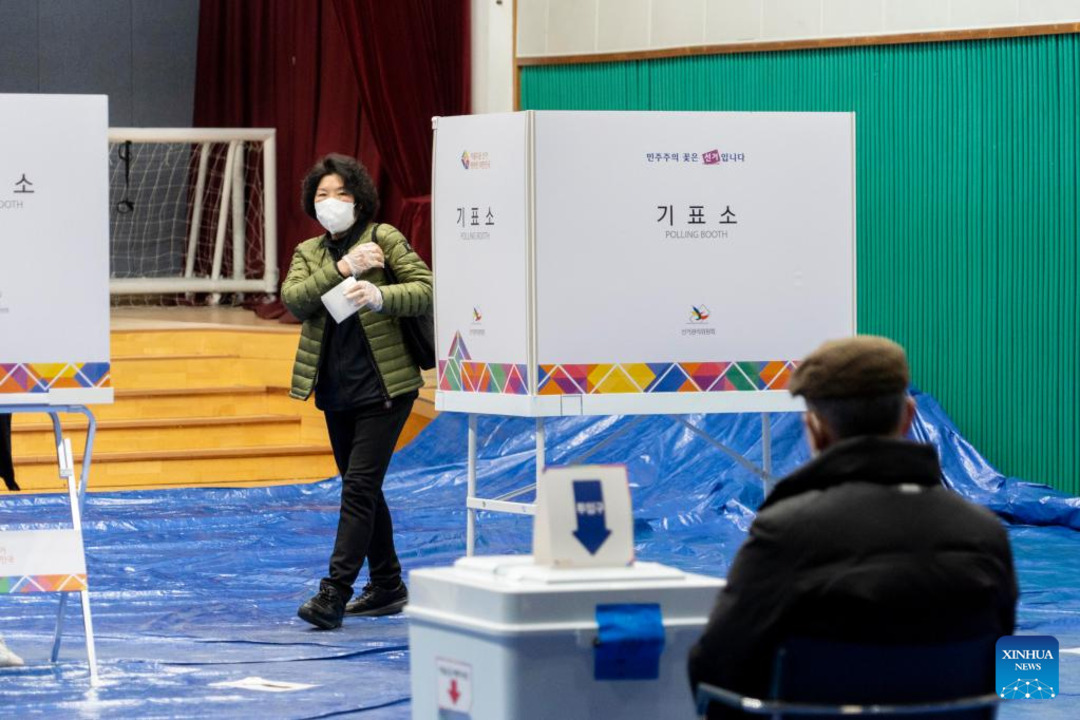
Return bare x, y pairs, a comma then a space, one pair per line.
418, 330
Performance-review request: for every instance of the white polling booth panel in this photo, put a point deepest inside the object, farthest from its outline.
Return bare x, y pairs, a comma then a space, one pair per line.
54, 313
54, 250
484, 278
638, 262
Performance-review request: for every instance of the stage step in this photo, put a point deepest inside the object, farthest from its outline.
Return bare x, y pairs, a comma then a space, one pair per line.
213, 467
179, 371
186, 433
206, 341
196, 406
225, 401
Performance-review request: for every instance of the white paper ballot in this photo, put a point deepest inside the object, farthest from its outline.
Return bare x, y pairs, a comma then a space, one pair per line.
261, 684
334, 299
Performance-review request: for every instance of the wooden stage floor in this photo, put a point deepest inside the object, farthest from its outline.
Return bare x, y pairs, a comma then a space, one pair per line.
223, 318
201, 399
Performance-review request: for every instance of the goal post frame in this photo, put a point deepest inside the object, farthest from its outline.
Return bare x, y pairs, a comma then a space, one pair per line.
230, 203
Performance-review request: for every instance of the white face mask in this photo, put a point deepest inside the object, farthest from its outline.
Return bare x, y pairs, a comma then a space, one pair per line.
335, 215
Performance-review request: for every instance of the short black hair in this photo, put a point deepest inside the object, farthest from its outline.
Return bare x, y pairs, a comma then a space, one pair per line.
866, 415
357, 181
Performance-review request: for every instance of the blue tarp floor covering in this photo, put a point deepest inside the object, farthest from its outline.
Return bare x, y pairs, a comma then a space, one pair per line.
192, 588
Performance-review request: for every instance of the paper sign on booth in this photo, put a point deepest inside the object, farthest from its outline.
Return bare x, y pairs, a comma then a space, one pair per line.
41, 561
583, 517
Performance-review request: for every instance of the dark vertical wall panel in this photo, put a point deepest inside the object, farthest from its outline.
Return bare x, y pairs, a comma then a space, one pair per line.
141, 53
968, 193
18, 47
164, 43
86, 48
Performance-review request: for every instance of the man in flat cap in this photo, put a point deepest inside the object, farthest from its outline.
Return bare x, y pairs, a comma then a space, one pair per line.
863, 543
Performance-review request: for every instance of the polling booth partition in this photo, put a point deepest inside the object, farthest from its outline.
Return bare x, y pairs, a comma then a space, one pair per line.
54, 314
636, 263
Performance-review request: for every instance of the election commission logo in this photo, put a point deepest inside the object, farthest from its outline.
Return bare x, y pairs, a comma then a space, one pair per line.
1027, 667
475, 160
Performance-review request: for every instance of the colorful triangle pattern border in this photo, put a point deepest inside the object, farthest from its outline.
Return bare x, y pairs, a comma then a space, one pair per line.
24, 584
460, 373
678, 377
43, 377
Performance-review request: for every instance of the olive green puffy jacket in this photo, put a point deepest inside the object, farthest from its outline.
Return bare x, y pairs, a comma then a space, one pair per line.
313, 272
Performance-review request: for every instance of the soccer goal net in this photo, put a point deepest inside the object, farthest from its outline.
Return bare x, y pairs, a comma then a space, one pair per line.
192, 211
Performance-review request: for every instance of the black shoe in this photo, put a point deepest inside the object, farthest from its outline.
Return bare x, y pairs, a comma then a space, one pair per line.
326, 609
376, 602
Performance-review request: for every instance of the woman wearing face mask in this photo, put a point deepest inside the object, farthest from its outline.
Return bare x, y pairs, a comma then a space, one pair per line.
363, 377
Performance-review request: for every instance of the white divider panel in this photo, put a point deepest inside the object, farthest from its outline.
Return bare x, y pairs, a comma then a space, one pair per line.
685, 260
482, 260
54, 250
676, 262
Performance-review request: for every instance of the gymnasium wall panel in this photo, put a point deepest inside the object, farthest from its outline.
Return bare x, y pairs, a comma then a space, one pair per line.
968, 193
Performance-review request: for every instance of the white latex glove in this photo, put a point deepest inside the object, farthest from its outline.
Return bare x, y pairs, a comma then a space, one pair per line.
364, 294
364, 257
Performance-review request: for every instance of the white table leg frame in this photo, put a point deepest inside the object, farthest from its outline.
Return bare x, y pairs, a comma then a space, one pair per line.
505, 504
77, 497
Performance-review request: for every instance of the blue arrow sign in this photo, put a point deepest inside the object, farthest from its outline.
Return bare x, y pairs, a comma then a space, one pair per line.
589, 505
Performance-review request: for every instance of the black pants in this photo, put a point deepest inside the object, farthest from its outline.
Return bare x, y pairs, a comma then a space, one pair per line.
7, 469
363, 442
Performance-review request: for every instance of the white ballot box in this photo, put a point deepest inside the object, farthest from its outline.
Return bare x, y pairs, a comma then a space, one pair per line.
499, 637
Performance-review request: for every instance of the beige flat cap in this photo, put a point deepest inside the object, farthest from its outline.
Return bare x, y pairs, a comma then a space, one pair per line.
859, 366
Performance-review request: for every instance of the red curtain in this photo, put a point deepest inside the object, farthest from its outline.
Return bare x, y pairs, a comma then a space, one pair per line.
411, 59
270, 63
341, 77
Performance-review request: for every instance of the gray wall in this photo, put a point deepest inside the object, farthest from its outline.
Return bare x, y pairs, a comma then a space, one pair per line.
141, 53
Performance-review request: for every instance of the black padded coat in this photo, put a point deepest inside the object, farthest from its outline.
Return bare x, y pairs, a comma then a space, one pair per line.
862, 544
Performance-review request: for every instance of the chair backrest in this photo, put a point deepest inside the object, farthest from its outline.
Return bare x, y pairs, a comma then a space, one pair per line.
816, 671
827, 679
